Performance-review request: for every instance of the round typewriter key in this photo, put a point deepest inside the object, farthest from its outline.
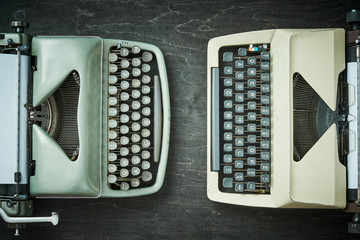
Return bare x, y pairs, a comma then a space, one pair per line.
124, 96
124, 140
112, 157
124, 74
145, 165
124, 186
135, 160
147, 56
146, 100
135, 93
112, 134
124, 52
124, 172
136, 72
112, 101
145, 122
113, 68
124, 129
124, 118
145, 133
112, 123
124, 85
124, 107
135, 182
136, 83
136, 62
124, 151
145, 143
135, 126
146, 176
145, 67
124, 63
112, 57
146, 111
124, 162
135, 116
112, 145
135, 105
135, 148
112, 112
145, 79
112, 168
112, 90
136, 49
135, 137
112, 178
112, 79
145, 89
135, 171
145, 154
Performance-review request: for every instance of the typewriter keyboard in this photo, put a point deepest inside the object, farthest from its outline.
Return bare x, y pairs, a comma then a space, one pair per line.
241, 119
133, 123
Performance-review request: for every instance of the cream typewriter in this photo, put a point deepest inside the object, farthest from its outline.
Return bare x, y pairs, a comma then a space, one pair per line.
85, 117
283, 119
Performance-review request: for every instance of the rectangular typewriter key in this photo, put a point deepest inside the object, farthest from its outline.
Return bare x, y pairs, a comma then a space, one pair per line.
228, 57
228, 70
239, 64
228, 182
228, 82
239, 86
239, 187
242, 52
227, 158
265, 55
239, 176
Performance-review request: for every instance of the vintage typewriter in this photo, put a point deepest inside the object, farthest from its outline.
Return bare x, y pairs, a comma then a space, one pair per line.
83, 117
283, 120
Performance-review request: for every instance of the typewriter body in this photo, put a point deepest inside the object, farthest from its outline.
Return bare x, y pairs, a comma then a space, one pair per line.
86, 117
283, 119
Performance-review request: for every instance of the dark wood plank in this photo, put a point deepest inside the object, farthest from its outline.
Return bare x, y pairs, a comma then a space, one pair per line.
180, 210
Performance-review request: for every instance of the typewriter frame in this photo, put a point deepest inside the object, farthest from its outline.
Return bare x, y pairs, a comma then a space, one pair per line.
285, 61
70, 180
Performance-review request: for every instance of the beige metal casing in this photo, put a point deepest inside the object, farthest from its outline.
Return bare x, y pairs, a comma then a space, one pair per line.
319, 179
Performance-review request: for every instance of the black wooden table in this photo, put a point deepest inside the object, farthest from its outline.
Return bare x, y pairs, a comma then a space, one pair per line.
180, 210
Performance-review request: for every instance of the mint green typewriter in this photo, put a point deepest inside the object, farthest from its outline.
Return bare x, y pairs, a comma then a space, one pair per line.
86, 118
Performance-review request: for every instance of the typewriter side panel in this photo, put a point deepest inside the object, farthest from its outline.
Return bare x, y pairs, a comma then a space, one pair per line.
319, 178
165, 120
55, 174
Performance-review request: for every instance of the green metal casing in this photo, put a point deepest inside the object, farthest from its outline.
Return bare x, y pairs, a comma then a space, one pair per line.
56, 175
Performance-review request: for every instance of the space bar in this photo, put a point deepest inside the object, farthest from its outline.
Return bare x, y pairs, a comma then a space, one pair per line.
215, 138
157, 118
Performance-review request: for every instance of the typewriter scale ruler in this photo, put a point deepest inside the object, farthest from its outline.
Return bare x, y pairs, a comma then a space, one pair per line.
131, 158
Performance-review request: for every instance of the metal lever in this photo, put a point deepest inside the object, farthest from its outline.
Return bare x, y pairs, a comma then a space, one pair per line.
54, 218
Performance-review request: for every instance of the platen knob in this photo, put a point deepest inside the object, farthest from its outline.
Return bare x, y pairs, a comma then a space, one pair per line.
19, 26
353, 18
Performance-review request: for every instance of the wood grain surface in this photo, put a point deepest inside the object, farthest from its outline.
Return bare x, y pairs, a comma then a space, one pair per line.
180, 210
